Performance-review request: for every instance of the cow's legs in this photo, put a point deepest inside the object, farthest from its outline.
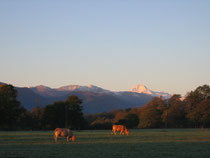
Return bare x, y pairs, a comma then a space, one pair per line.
114, 132
122, 132
55, 138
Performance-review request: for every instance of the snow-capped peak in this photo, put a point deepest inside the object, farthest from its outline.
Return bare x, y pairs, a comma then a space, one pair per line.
69, 88
140, 88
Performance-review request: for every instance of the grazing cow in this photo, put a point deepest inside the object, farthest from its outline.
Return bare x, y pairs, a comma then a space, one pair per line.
119, 128
64, 132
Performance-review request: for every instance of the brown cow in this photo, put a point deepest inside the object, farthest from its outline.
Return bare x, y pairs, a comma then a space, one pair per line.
64, 132
119, 128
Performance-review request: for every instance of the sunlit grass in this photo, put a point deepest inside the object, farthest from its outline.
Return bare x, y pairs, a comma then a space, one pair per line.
140, 143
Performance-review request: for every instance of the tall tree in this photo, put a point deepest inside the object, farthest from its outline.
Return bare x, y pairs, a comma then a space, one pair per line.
150, 114
132, 120
54, 115
37, 117
64, 114
201, 113
10, 108
174, 115
194, 101
120, 117
204, 110
74, 114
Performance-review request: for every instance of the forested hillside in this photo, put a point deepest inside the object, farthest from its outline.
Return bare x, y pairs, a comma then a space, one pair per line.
175, 112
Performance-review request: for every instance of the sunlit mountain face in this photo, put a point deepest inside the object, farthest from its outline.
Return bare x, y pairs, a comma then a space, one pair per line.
47, 91
94, 99
140, 88
89, 88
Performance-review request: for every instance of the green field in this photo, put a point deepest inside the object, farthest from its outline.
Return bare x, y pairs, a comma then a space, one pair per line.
157, 143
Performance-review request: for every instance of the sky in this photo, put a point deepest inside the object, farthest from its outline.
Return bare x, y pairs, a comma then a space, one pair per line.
113, 44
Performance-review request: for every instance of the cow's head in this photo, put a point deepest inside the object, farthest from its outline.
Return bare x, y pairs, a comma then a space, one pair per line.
73, 138
127, 132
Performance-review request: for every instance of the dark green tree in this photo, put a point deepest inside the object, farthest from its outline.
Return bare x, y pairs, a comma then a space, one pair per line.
66, 114
10, 108
73, 112
131, 120
37, 118
54, 115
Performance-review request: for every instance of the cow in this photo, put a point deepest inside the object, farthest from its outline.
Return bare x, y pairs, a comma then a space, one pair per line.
64, 132
119, 128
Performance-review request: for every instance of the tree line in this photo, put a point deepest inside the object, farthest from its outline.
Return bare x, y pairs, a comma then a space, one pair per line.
59, 114
175, 112
193, 111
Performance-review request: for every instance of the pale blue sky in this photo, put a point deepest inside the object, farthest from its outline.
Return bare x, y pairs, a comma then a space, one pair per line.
113, 44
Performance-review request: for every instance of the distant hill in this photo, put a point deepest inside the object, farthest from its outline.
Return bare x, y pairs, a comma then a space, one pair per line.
1, 83
95, 99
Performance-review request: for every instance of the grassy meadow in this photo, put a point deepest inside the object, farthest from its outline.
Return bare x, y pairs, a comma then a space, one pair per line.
143, 143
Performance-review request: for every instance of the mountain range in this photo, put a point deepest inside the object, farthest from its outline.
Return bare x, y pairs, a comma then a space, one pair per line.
95, 99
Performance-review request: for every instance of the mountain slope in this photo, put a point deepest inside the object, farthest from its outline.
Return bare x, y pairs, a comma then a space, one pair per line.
89, 88
95, 99
92, 102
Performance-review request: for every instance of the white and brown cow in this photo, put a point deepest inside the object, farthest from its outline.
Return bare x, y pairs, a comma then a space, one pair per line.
64, 132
